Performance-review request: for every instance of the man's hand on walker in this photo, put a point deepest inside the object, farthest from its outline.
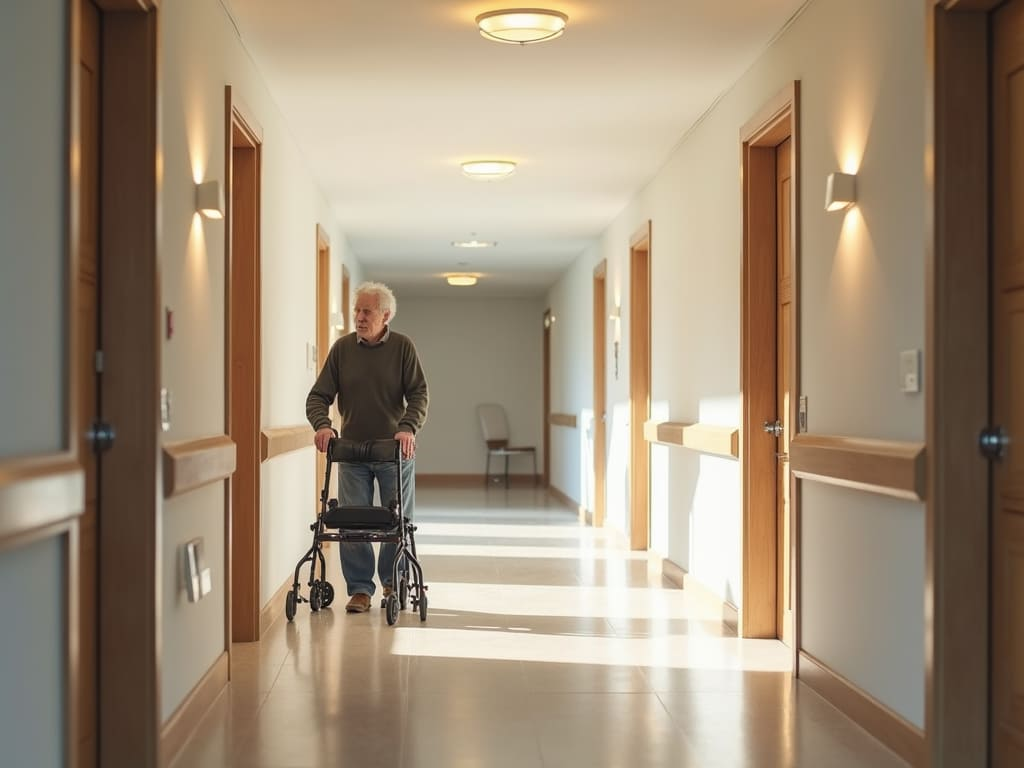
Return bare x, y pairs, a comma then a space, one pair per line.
323, 436
408, 443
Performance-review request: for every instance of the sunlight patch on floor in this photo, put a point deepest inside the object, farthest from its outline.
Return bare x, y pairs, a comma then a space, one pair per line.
665, 651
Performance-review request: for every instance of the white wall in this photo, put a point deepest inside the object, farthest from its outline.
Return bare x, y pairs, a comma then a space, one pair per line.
572, 372
33, 384
476, 351
861, 68
33, 231
201, 53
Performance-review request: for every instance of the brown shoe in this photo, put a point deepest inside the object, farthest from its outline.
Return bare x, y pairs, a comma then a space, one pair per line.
359, 603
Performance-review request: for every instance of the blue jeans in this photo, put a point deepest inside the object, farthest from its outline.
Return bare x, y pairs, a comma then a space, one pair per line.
355, 487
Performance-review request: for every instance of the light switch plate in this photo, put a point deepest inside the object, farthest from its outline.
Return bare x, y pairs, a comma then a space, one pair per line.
310, 355
910, 370
801, 416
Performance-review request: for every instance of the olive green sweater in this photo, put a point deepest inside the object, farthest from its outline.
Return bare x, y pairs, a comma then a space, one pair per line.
381, 389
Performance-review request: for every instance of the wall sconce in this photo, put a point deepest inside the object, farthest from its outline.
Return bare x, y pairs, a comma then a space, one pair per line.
549, 320
210, 199
616, 320
840, 191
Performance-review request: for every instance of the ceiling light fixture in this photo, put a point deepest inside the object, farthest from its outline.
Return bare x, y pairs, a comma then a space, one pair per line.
488, 170
461, 279
474, 243
520, 26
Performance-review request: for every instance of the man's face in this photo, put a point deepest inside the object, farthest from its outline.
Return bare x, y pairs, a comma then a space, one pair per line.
370, 321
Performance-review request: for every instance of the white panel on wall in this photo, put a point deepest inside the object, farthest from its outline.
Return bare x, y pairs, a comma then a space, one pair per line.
290, 489
33, 673
862, 592
33, 231
192, 633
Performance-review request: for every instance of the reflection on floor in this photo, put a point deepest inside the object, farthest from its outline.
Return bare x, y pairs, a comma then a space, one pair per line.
547, 644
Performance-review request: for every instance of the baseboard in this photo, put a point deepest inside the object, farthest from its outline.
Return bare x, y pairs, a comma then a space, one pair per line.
570, 502
180, 726
702, 592
899, 735
474, 481
274, 609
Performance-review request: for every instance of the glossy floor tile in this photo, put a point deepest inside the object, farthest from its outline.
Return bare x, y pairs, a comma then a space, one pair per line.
547, 644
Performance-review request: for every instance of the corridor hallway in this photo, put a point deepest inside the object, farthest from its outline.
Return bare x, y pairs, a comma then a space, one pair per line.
547, 643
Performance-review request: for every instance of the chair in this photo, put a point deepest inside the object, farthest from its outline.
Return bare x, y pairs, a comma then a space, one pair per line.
494, 425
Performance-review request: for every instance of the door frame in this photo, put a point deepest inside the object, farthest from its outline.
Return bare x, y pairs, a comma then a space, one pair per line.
323, 335
548, 321
777, 120
600, 368
639, 387
242, 519
957, 399
131, 325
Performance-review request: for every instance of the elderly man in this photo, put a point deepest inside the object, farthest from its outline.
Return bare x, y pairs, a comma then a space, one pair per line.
376, 376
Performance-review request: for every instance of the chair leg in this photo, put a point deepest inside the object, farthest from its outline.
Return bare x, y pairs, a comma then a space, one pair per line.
534, 454
506, 470
487, 470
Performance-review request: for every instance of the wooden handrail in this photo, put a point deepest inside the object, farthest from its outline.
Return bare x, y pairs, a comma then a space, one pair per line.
562, 420
190, 464
274, 442
38, 492
888, 467
706, 438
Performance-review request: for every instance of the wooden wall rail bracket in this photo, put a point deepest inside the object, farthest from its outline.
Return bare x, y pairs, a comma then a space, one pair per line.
562, 420
879, 466
189, 464
719, 441
274, 442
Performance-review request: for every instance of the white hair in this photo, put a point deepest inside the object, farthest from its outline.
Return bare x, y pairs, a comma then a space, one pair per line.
385, 298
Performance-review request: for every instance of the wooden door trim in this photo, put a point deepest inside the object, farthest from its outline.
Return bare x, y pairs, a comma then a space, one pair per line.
778, 119
242, 132
600, 372
957, 143
131, 489
639, 387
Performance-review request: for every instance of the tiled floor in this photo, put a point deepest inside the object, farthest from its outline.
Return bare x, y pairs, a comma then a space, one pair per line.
547, 644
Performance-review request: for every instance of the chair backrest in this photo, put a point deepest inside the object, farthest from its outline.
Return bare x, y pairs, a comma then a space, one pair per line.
493, 424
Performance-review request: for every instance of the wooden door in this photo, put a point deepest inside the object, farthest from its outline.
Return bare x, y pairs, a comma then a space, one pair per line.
1008, 384
639, 387
549, 319
784, 296
87, 322
244, 375
600, 406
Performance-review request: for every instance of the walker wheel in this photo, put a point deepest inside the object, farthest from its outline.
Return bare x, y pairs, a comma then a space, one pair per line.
314, 596
391, 606
289, 605
403, 593
423, 606
326, 594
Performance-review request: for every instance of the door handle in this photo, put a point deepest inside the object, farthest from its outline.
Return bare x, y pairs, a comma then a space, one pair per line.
773, 428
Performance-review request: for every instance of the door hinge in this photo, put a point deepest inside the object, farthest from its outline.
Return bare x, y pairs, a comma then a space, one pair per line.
99, 361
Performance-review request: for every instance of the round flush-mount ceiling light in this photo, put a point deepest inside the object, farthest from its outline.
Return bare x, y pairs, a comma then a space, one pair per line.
461, 279
474, 243
521, 26
488, 170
